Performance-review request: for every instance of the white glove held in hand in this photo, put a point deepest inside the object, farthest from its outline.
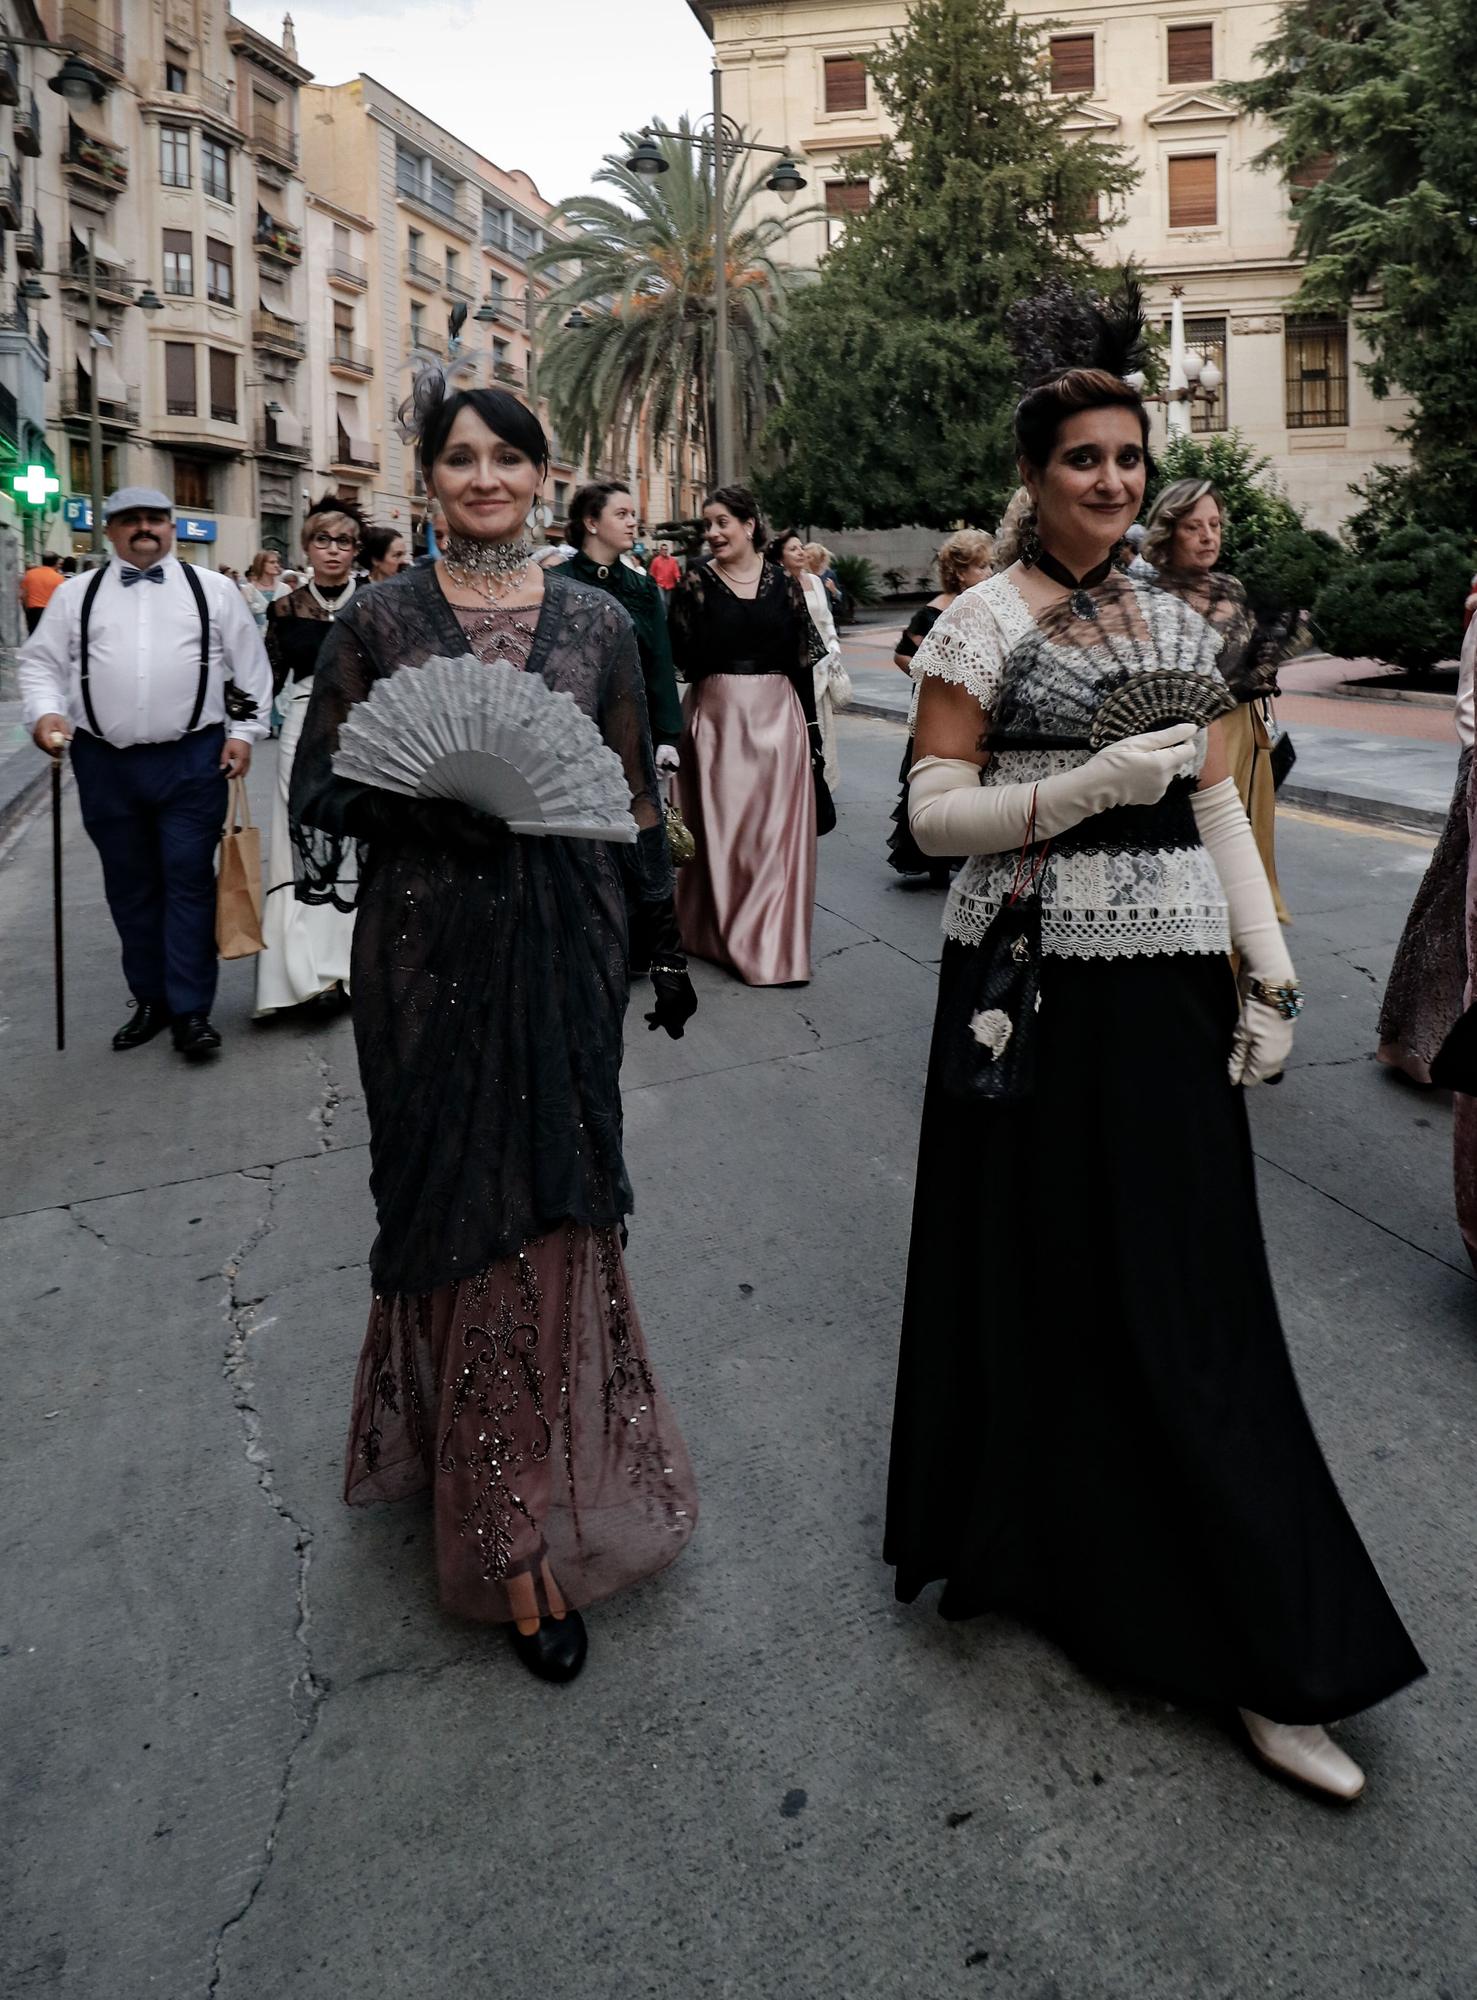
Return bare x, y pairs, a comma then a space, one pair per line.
951, 812
666, 757
1263, 1039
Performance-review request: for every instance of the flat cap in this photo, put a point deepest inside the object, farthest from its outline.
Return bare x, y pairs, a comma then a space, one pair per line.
129, 497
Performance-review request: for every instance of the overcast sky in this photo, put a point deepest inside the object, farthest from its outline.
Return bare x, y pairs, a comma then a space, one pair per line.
547, 87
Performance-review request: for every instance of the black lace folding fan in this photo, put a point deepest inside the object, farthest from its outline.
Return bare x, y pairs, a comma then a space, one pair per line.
1145, 661
504, 743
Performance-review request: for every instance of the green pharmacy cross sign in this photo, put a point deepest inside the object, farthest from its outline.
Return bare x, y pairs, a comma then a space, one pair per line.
35, 485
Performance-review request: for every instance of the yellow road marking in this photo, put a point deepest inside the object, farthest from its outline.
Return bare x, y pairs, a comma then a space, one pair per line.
1367, 827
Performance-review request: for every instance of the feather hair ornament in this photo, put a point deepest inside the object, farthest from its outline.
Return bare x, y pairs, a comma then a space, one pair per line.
433, 380
1062, 328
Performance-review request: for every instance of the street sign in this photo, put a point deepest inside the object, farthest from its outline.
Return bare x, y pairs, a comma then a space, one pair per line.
191, 529
77, 512
35, 485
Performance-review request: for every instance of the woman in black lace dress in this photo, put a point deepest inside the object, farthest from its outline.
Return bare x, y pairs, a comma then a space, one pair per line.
752, 778
504, 1365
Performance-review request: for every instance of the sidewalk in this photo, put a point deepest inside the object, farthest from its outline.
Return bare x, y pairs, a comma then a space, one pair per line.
1392, 761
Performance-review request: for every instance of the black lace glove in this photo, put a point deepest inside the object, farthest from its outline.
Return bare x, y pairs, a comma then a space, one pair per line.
382, 815
676, 1003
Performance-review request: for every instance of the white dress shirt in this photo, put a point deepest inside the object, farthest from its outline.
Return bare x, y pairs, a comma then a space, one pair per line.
143, 654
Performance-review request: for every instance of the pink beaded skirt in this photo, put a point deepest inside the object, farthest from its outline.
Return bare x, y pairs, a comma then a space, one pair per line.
747, 898
525, 1399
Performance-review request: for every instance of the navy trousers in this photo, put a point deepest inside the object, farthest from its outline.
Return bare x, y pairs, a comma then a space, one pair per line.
154, 813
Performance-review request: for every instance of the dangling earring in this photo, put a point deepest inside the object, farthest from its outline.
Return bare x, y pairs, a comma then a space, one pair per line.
1029, 540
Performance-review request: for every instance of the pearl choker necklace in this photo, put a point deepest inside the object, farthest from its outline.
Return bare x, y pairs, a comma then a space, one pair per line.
330, 604
488, 567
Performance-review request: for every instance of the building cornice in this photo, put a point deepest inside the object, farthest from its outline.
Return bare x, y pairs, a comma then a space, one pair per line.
1196, 107
242, 39
336, 213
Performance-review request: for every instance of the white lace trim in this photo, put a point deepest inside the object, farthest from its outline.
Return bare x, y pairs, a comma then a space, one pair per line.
971, 642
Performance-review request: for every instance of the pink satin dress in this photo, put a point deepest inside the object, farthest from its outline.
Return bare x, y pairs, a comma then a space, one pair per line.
745, 787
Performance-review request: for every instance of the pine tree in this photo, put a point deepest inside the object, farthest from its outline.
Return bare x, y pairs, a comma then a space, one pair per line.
899, 380
1382, 88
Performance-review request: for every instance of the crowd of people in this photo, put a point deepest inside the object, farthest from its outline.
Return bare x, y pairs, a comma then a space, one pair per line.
1097, 1425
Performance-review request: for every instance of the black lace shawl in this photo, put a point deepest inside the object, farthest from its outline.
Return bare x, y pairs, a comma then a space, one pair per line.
489, 981
715, 631
1254, 641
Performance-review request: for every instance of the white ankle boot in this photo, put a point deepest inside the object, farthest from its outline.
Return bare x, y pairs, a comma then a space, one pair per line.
1306, 1752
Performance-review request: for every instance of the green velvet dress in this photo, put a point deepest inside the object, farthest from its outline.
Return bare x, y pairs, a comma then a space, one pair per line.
643, 600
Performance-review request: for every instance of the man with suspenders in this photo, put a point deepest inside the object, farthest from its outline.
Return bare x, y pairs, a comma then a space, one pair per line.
159, 677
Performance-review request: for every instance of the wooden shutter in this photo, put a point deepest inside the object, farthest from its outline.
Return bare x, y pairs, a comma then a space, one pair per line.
1073, 64
179, 378
222, 385
192, 483
1310, 174
848, 197
846, 84
1191, 54
1192, 191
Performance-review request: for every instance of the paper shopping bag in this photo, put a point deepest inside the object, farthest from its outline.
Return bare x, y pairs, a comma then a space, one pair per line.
238, 885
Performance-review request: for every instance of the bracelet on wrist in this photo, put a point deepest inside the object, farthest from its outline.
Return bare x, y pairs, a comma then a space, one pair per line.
1286, 999
667, 965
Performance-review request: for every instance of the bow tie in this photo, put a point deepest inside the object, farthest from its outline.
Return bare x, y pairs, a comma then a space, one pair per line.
131, 575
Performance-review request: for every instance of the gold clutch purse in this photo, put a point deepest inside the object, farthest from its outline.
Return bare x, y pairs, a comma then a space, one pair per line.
679, 835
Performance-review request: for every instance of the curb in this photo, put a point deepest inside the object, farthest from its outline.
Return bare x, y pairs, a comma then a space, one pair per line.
1340, 805
18, 804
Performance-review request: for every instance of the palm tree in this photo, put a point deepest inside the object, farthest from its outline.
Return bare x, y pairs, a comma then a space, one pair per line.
645, 264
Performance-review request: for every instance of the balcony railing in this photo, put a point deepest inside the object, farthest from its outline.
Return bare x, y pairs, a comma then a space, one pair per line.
459, 285
279, 239
351, 359
355, 452
276, 140
10, 418
346, 270
217, 98
421, 271
10, 75
26, 126
269, 329
505, 371
224, 413
30, 241
11, 210
110, 410
440, 207
83, 32
266, 440
104, 164
424, 337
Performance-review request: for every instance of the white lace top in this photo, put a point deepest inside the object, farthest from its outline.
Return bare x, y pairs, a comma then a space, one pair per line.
1113, 902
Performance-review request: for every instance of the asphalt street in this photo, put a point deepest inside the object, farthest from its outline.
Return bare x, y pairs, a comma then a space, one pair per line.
246, 1756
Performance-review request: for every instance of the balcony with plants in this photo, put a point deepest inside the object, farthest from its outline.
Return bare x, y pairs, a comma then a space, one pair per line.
278, 239
97, 162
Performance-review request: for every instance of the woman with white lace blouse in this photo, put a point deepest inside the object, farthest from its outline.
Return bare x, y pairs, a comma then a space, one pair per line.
1097, 1424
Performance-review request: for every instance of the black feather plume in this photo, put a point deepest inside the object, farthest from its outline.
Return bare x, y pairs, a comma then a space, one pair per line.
1063, 328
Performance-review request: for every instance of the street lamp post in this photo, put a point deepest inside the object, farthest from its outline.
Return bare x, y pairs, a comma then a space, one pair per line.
786, 181
1192, 378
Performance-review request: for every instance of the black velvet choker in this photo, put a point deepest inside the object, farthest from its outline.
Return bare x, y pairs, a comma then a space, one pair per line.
1079, 586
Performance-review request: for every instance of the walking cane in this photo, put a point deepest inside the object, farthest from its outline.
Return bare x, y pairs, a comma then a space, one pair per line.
58, 745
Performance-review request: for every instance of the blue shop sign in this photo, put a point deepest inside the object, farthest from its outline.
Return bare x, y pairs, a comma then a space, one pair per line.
77, 512
190, 529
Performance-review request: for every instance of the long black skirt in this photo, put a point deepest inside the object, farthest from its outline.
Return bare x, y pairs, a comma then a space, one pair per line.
1097, 1425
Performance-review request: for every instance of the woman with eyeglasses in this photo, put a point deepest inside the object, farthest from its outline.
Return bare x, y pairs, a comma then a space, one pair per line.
306, 961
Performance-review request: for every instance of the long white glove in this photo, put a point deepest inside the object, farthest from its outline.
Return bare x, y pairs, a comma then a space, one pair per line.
951, 812
1263, 1039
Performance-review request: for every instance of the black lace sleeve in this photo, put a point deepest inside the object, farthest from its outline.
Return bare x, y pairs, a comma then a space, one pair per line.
647, 867
321, 806
810, 650
685, 623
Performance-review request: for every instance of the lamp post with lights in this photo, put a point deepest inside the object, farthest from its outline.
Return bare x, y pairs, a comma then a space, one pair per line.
1192, 377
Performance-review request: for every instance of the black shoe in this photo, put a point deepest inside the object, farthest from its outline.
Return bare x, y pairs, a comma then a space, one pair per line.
556, 1652
150, 1018
195, 1038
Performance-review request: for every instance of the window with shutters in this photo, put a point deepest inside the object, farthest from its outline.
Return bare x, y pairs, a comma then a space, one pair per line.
1191, 54
220, 272
222, 386
179, 378
215, 168
1208, 338
1073, 62
80, 466
843, 200
1086, 213
1317, 353
179, 263
846, 83
192, 484
1192, 191
1309, 175
174, 156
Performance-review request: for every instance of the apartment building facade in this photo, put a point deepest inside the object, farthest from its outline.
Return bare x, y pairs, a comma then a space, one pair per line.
1202, 219
181, 170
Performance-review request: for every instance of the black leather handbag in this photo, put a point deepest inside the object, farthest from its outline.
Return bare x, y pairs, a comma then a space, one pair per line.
988, 1009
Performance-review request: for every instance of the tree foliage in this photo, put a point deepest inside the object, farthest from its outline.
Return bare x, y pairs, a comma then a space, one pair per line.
1402, 604
1383, 88
641, 269
899, 381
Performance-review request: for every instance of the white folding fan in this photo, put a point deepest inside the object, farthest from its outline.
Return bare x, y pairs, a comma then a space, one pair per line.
503, 742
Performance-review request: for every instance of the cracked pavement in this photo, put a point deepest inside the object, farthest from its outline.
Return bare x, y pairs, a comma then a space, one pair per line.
247, 1756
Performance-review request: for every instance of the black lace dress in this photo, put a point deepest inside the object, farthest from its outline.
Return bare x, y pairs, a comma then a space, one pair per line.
504, 1364
903, 852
